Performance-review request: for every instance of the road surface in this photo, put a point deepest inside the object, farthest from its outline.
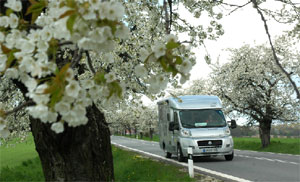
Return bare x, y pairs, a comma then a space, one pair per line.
246, 165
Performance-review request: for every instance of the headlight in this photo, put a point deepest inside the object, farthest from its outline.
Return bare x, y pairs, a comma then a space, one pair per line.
185, 133
227, 132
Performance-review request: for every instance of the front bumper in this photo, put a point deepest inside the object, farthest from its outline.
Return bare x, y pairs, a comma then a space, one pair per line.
225, 149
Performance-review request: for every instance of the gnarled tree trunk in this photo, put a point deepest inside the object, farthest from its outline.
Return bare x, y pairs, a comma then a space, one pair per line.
264, 132
80, 153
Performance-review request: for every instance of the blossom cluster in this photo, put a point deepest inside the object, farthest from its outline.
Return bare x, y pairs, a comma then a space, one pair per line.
28, 55
30, 50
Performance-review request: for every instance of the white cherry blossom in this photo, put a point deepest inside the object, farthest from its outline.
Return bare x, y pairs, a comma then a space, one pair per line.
140, 71
110, 77
185, 67
171, 38
57, 127
15, 5
2, 37
62, 107
159, 49
12, 73
3, 59
72, 89
13, 20
4, 21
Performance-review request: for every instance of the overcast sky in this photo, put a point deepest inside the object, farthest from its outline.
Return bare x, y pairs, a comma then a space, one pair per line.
243, 26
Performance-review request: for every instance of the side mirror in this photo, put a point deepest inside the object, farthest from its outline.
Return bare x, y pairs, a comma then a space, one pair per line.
171, 126
176, 126
233, 124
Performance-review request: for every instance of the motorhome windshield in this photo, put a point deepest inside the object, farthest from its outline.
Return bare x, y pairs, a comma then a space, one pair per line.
204, 118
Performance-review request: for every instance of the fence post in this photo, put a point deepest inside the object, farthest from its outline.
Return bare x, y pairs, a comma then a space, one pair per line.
190, 162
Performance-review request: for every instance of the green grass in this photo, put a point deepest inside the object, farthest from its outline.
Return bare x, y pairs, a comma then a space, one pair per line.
29, 170
14, 153
131, 166
278, 145
20, 163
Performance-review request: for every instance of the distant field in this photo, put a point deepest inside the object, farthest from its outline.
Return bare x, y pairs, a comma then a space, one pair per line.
278, 145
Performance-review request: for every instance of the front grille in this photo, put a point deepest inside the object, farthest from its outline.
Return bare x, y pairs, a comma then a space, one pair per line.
210, 143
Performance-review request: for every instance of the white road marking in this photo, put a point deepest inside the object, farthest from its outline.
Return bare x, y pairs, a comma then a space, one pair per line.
272, 153
267, 159
227, 176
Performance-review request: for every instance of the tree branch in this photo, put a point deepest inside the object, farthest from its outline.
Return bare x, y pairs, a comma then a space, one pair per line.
237, 6
89, 60
273, 50
76, 58
65, 43
167, 23
19, 107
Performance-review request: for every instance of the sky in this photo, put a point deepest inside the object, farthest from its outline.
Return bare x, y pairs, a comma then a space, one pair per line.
244, 26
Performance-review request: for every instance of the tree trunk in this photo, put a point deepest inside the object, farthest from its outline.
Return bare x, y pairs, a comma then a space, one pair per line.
80, 153
141, 134
151, 133
264, 132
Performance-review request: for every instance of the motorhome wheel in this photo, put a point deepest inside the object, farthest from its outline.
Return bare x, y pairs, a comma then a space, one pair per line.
229, 157
180, 157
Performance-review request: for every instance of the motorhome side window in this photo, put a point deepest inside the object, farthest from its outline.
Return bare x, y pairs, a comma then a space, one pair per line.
176, 122
176, 119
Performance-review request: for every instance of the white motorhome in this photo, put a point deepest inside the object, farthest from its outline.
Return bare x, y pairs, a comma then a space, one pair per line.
195, 121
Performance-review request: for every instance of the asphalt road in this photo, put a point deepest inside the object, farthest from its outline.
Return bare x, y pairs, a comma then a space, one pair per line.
246, 165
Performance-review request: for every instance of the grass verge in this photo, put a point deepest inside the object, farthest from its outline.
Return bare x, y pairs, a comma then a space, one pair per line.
278, 145
14, 152
128, 166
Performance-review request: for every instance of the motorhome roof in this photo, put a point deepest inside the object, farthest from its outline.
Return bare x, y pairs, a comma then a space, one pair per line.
193, 102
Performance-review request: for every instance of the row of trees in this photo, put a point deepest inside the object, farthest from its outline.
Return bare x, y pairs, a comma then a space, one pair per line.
133, 118
66, 65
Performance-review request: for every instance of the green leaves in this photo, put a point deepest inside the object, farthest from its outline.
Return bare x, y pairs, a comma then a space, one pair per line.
10, 57
36, 8
57, 86
172, 45
178, 60
71, 21
99, 78
114, 88
168, 65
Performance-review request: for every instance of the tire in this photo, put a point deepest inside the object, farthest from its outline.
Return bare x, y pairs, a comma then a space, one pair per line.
229, 157
180, 157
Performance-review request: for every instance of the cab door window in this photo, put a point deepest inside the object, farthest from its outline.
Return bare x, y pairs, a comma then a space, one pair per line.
176, 122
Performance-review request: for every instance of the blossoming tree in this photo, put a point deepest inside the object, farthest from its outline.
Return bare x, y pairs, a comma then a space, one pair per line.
252, 85
69, 61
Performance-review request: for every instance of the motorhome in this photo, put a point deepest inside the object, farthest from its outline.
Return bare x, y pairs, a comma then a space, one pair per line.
194, 121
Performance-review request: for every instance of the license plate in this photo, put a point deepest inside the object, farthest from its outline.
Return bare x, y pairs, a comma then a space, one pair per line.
209, 150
